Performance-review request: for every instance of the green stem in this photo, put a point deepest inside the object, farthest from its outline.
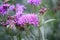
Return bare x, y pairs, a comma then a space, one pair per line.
39, 33
26, 30
33, 8
29, 32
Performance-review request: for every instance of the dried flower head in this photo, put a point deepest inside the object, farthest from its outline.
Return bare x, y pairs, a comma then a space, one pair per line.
43, 10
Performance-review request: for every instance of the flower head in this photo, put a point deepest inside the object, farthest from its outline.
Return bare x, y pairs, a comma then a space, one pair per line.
31, 19
19, 10
34, 2
3, 8
20, 7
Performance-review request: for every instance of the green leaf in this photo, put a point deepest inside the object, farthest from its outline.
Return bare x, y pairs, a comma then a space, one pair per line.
50, 20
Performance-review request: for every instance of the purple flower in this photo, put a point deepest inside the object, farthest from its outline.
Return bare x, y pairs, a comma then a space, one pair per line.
3, 8
34, 2
12, 7
31, 19
11, 24
20, 7
18, 14
10, 21
19, 10
6, 5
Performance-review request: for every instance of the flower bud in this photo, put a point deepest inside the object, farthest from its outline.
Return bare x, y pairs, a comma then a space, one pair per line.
43, 10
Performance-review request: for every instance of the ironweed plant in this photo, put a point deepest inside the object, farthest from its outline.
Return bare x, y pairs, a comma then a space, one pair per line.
29, 20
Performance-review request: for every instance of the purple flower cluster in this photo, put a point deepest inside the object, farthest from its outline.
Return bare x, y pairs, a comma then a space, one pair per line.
3, 8
20, 18
34, 2
19, 10
28, 19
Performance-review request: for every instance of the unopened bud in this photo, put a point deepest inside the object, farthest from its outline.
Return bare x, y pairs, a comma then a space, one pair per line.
43, 10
